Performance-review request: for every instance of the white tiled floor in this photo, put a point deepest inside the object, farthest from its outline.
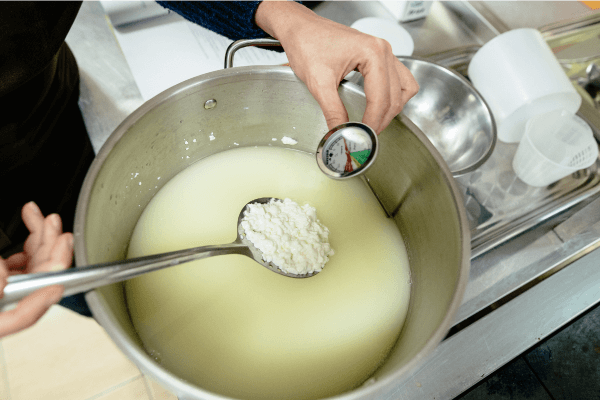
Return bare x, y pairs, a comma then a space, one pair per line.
69, 357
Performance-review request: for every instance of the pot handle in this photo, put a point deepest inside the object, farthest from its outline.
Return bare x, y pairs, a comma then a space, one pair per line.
239, 44
84, 279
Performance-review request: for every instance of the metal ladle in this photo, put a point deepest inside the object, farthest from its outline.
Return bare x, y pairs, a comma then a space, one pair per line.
83, 279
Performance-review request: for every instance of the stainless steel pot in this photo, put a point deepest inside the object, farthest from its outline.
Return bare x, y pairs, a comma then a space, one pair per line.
248, 105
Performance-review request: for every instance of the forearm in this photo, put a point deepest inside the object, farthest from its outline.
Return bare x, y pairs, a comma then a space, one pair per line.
304, 34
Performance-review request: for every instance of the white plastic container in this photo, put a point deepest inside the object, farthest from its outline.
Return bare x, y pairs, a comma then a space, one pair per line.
555, 145
519, 77
405, 11
398, 37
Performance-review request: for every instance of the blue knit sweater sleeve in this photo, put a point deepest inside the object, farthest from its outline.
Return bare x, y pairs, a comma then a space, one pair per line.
233, 19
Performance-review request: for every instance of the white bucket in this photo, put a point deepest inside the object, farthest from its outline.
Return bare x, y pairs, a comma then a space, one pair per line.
519, 77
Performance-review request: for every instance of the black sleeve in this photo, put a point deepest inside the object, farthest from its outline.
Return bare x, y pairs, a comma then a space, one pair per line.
31, 34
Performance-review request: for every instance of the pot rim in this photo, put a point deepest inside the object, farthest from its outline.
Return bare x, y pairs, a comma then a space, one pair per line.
143, 361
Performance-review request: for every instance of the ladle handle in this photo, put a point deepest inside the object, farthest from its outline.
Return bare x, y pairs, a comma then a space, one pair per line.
239, 44
83, 279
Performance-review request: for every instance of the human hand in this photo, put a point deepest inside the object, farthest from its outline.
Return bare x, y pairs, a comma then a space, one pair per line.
46, 249
322, 52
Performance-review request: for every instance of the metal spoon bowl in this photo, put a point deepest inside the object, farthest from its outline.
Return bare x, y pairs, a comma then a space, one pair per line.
83, 279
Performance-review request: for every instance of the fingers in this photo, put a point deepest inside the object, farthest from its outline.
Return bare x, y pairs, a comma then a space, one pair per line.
388, 87
379, 93
330, 53
34, 221
51, 230
410, 86
53, 255
61, 255
403, 87
47, 247
329, 100
3, 276
29, 310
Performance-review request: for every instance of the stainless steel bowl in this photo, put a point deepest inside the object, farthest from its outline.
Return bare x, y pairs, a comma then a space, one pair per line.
451, 113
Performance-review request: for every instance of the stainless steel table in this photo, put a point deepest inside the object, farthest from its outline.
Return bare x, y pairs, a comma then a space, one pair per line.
520, 291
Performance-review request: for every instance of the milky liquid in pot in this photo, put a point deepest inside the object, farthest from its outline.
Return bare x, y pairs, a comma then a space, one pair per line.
232, 327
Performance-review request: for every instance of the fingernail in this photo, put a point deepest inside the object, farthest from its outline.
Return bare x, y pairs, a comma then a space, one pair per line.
55, 221
34, 207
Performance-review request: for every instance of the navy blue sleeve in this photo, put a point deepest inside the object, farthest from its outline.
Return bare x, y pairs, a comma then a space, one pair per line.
233, 19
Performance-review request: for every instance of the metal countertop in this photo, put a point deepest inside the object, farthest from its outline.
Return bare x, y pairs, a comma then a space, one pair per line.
519, 292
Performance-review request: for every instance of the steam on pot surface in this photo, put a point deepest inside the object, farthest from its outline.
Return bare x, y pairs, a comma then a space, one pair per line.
233, 328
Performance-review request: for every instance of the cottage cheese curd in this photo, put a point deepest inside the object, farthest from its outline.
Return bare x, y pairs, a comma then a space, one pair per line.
288, 235
288, 140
